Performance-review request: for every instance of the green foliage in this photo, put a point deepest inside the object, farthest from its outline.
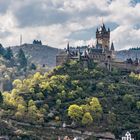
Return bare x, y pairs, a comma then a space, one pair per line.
40, 96
21, 59
33, 66
58, 102
111, 87
72, 93
95, 105
111, 118
135, 78
128, 100
90, 110
75, 112
8, 53
2, 50
100, 85
138, 105
1, 98
87, 119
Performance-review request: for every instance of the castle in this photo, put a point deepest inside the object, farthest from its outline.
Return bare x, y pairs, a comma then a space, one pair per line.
102, 51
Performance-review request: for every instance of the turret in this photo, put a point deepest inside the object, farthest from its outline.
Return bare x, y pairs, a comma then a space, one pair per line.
103, 28
68, 48
97, 31
136, 62
103, 37
108, 29
112, 47
79, 54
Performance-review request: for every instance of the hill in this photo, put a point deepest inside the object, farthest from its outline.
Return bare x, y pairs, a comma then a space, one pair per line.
87, 99
43, 54
39, 54
125, 54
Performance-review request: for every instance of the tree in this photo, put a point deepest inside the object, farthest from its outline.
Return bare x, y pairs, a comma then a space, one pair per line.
85, 108
21, 108
111, 118
17, 83
33, 66
95, 108
32, 111
20, 114
111, 87
2, 50
87, 119
100, 85
58, 102
31, 103
128, 100
22, 60
75, 112
95, 105
1, 98
138, 105
40, 96
9, 53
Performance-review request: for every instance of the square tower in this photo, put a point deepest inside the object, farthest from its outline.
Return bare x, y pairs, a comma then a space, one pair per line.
103, 37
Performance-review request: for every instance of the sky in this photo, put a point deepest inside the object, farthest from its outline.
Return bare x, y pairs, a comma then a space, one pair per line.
57, 22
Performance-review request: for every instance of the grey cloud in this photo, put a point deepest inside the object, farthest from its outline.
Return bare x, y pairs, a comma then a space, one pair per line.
5, 34
85, 34
33, 14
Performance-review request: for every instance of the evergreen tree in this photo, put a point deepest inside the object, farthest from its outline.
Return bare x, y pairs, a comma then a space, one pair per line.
22, 60
2, 50
33, 66
8, 53
1, 98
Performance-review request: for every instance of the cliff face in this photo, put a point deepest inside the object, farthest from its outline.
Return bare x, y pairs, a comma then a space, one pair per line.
39, 54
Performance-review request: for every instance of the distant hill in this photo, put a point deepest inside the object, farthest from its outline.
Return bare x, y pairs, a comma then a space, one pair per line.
125, 54
39, 54
43, 54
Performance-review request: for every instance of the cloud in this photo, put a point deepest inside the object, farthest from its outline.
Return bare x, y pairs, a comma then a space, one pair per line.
56, 22
125, 37
4, 5
39, 14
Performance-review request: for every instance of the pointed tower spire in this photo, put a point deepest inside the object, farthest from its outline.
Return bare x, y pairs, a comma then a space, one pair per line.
68, 48
97, 31
103, 27
108, 29
112, 47
79, 54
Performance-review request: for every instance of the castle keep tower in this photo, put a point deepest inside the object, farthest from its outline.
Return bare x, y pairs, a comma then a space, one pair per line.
101, 52
103, 37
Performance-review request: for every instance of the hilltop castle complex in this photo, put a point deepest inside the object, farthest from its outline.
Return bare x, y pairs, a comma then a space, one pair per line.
102, 52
